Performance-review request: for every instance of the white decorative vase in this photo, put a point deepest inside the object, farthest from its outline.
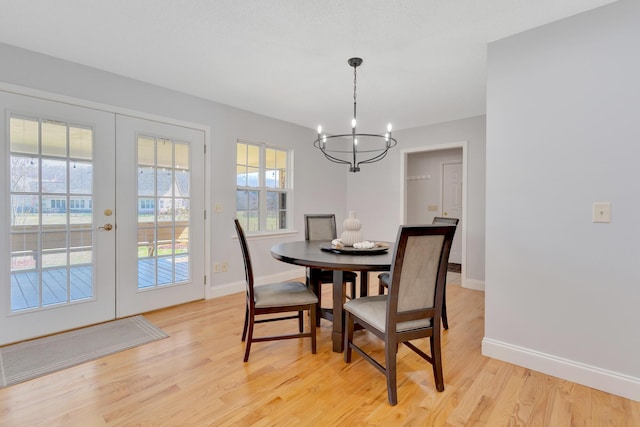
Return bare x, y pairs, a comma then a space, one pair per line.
351, 230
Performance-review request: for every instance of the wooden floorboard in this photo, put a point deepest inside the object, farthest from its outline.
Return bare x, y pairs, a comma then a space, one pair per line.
196, 377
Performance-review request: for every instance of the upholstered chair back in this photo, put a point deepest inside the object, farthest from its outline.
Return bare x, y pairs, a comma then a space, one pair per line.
320, 227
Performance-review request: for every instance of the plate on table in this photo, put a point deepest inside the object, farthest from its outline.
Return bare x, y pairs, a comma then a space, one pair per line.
349, 250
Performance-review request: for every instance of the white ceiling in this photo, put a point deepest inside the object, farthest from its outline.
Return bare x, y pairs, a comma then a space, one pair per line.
424, 60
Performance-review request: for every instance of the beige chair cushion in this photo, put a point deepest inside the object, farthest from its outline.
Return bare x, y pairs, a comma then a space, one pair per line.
373, 310
283, 294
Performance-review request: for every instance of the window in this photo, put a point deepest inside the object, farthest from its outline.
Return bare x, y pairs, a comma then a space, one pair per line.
77, 204
59, 205
263, 187
148, 204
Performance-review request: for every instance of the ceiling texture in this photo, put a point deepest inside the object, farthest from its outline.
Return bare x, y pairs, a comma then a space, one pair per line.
424, 60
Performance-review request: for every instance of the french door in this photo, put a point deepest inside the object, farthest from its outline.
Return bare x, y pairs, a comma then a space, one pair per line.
58, 251
97, 216
160, 182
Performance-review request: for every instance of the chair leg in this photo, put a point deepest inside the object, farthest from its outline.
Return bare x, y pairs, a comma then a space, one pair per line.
249, 337
312, 323
353, 290
348, 336
246, 322
381, 287
390, 351
318, 293
300, 322
437, 361
445, 322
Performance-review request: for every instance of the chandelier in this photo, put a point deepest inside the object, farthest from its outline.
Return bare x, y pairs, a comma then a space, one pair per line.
355, 148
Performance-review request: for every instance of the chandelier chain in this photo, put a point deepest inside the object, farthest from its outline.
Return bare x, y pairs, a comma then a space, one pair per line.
355, 81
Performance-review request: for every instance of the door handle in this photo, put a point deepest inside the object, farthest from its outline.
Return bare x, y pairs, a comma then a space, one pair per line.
106, 227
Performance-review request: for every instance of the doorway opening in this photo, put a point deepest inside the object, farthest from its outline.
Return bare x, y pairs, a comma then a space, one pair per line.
434, 183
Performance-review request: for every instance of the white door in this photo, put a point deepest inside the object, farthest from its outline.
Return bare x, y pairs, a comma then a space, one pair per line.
161, 223
57, 249
452, 204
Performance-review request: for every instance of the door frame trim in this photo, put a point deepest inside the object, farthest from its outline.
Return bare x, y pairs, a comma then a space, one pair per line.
404, 155
442, 191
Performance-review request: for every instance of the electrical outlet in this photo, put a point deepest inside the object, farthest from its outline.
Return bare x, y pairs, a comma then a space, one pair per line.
224, 266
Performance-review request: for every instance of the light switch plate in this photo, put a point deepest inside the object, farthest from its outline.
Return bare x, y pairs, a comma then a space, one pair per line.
602, 212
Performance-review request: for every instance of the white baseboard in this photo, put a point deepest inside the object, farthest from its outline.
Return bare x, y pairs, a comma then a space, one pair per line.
476, 285
591, 376
216, 291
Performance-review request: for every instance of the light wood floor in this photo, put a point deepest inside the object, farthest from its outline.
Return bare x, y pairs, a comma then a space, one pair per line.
197, 378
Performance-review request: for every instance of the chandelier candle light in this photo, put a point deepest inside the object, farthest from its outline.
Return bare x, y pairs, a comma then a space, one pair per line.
355, 148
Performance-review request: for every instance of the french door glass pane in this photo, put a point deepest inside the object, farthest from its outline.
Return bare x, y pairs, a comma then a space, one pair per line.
182, 156
54, 139
182, 210
80, 177
80, 143
181, 239
146, 151
54, 176
163, 211
146, 181
54, 249
183, 178
24, 174
24, 135
165, 153
51, 176
25, 212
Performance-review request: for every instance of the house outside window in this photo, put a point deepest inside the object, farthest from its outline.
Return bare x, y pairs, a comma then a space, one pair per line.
263, 193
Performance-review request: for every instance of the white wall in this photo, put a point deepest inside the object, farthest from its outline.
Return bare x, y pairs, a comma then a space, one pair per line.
321, 189
563, 293
374, 192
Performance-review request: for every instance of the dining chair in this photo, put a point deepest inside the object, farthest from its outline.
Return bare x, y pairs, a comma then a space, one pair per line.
322, 227
280, 297
384, 278
413, 306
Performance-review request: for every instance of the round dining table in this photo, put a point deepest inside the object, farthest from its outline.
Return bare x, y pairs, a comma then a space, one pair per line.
308, 253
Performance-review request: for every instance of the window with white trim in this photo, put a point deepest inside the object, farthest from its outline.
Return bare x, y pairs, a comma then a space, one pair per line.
263, 188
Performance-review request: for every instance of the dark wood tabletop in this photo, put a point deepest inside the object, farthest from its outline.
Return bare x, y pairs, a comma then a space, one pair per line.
308, 254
